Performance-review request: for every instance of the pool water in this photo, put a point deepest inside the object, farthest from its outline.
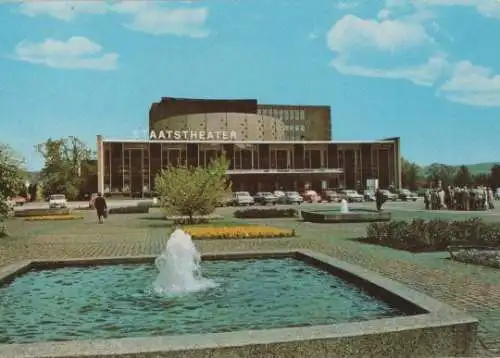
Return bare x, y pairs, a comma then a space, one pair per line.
104, 302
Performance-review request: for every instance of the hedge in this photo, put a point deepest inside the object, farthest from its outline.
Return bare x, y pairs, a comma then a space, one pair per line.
265, 213
41, 212
138, 209
433, 235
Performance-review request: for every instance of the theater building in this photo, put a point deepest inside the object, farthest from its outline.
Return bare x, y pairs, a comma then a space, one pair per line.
269, 147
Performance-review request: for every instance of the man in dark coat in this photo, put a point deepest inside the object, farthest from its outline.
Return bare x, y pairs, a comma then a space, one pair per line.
379, 199
101, 207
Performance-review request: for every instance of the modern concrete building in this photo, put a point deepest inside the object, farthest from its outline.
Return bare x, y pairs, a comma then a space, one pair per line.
269, 147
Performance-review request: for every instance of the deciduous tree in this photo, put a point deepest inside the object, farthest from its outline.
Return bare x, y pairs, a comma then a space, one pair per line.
411, 174
463, 177
191, 191
495, 176
11, 180
65, 160
440, 172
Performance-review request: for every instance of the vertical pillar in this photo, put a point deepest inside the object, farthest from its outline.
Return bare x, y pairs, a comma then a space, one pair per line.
100, 165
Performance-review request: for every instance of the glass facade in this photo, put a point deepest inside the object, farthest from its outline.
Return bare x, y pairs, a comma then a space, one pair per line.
294, 119
132, 167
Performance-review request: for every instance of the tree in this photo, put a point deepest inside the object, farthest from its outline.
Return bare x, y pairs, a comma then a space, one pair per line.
190, 191
11, 180
411, 174
495, 176
463, 177
440, 172
482, 179
65, 160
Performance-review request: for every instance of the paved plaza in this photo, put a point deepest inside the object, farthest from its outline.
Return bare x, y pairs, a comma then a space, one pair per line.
473, 288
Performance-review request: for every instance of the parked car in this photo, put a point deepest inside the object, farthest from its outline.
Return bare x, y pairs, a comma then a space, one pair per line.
369, 195
278, 193
291, 197
311, 196
332, 196
265, 197
226, 201
57, 201
388, 196
407, 195
18, 200
351, 196
242, 198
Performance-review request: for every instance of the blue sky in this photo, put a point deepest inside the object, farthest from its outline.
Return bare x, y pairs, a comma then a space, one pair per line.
425, 70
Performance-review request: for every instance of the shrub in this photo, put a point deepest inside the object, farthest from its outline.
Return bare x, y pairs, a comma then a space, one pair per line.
137, 209
433, 235
265, 213
54, 218
236, 232
41, 212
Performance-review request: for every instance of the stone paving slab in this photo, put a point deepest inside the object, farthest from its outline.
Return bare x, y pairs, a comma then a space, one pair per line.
467, 287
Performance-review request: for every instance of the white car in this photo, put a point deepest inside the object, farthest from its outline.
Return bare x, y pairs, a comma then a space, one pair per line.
352, 196
243, 198
58, 201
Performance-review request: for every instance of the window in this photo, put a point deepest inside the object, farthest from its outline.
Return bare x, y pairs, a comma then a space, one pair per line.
302, 115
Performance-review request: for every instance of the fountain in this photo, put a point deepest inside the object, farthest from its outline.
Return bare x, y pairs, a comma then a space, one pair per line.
344, 209
344, 215
179, 267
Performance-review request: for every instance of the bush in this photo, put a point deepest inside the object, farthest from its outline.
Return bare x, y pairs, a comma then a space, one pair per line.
434, 235
138, 209
41, 212
265, 213
237, 232
54, 218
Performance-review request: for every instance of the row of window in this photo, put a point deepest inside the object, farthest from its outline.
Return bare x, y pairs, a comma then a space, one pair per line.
286, 114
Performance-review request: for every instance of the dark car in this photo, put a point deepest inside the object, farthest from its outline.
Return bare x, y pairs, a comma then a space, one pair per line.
407, 195
264, 198
291, 197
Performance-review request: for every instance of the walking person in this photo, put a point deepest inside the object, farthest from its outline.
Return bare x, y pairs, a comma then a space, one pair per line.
379, 199
101, 207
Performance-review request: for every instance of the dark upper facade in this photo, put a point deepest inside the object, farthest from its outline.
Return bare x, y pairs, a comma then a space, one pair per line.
289, 122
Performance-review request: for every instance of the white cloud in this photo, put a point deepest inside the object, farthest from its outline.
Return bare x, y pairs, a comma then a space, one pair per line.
488, 8
346, 5
76, 53
146, 16
472, 85
351, 32
383, 14
63, 10
180, 22
423, 75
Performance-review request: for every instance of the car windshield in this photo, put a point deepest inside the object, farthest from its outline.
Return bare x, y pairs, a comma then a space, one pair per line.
242, 193
292, 193
267, 194
57, 197
352, 192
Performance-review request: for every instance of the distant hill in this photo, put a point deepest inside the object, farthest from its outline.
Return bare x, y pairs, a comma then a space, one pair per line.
474, 169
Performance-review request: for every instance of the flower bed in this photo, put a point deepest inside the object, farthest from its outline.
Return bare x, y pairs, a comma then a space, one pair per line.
433, 235
54, 218
237, 232
137, 209
265, 213
478, 255
41, 212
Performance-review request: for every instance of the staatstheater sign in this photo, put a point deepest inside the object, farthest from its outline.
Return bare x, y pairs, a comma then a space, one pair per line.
192, 135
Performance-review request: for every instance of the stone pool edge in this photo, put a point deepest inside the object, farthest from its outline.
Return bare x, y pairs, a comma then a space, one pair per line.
442, 330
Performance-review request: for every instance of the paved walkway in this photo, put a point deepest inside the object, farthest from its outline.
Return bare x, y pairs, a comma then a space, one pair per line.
472, 288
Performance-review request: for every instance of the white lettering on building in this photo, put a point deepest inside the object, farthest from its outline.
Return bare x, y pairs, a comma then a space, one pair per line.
192, 135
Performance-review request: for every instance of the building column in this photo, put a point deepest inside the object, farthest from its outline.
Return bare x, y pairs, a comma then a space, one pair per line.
100, 165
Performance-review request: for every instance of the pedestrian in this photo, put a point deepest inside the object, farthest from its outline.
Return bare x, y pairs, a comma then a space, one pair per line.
427, 199
101, 207
379, 199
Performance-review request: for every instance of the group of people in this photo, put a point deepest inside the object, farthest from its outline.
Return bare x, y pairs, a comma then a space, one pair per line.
459, 198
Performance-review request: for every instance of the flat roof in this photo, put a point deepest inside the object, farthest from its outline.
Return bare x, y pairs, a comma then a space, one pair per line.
247, 141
